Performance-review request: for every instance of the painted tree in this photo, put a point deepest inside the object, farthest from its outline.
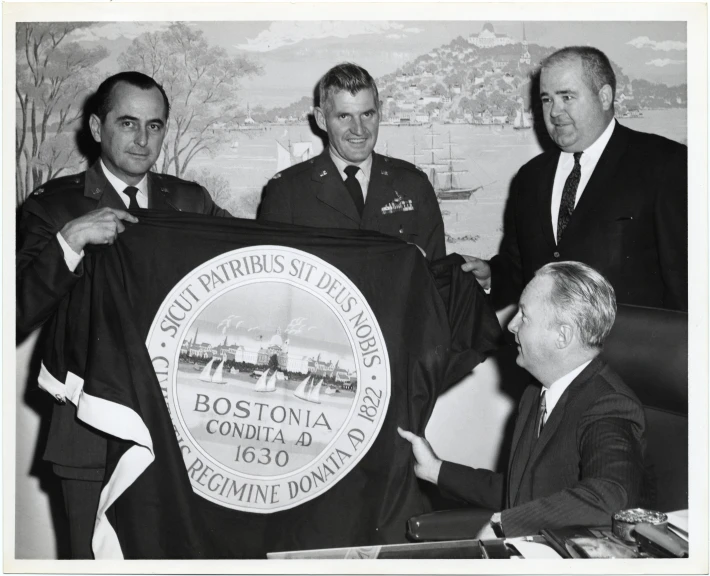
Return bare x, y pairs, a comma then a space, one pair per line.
53, 77
201, 82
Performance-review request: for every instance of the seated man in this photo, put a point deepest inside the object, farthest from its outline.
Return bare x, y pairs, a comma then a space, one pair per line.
578, 446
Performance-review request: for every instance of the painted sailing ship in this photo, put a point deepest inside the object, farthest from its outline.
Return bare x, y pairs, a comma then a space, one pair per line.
442, 174
217, 377
292, 153
308, 390
521, 121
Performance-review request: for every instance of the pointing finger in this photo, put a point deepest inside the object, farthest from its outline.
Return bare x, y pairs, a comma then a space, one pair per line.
123, 215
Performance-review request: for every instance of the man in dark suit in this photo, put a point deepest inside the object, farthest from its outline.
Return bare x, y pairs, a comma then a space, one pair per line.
348, 186
67, 214
611, 197
578, 445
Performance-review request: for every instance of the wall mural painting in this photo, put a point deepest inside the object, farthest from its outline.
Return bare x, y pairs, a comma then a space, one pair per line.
455, 97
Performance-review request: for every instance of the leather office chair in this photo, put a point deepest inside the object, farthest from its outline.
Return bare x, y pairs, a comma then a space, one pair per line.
648, 347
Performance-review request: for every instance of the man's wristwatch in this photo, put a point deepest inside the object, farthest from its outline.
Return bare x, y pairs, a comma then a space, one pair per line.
496, 524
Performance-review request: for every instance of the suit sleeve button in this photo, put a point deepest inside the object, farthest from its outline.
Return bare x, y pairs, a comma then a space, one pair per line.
556, 254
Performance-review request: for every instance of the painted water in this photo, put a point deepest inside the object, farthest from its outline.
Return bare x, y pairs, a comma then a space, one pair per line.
489, 155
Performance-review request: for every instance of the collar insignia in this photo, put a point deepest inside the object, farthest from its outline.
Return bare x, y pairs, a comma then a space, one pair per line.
324, 173
384, 173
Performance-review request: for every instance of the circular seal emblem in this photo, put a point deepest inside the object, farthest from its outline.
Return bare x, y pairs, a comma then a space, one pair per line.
275, 373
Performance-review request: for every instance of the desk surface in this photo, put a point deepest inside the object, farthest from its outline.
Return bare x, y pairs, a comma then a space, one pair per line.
531, 547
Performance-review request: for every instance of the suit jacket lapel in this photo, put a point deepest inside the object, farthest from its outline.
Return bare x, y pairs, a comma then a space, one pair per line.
331, 190
598, 185
544, 195
518, 456
97, 186
557, 415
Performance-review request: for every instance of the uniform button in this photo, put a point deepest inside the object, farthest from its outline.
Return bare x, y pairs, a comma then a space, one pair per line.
556, 254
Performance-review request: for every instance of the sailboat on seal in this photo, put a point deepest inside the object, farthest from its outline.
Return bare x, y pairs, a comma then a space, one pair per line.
217, 377
308, 390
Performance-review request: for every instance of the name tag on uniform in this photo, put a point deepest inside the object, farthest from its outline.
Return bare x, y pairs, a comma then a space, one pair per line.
399, 204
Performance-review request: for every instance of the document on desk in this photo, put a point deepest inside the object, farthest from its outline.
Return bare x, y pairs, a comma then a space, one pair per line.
533, 550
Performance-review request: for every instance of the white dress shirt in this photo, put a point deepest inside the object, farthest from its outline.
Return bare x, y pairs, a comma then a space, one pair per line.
555, 391
73, 259
565, 164
362, 176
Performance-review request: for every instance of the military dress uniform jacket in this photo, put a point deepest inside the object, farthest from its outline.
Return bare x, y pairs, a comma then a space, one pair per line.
44, 283
630, 224
400, 201
587, 463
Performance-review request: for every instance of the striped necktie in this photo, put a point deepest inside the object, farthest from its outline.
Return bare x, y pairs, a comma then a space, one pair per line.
569, 195
541, 412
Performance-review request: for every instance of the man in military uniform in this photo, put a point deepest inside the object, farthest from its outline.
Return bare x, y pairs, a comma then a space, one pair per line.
348, 185
67, 214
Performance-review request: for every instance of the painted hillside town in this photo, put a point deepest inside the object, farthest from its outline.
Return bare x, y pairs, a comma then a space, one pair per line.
482, 79
455, 99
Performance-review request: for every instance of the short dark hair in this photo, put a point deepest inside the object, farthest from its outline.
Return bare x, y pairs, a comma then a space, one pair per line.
103, 101
581, 296
346, 76
595, 65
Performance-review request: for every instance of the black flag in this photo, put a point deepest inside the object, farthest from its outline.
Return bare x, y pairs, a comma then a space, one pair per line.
280, 434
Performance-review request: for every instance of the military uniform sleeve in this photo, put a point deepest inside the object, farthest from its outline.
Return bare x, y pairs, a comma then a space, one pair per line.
671, 222
42, 276
275, 203
432, 232
211, 208
506, 266
611, 473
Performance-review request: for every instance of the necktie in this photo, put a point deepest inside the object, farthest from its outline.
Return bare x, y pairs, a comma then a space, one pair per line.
353, 186
131, 192
569, 194
541, 411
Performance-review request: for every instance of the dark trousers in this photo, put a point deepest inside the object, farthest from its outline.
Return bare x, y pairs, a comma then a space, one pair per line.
81, 501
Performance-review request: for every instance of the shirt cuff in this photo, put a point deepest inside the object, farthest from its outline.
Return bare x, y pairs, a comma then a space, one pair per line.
497, 524
70, 257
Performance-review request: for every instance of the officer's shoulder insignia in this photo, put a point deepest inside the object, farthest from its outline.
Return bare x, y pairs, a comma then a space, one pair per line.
276, 176
60, 184
420, 168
